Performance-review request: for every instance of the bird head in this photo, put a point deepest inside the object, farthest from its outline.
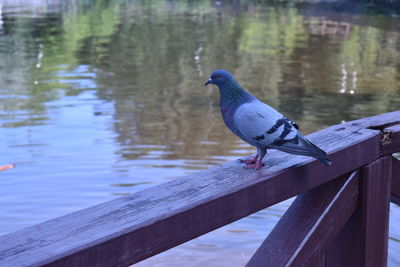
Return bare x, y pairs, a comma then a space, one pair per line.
219, 78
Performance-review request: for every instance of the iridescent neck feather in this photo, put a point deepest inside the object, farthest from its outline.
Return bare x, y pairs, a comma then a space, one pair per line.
231, 94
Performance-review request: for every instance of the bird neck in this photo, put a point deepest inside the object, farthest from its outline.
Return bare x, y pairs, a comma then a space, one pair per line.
231, 94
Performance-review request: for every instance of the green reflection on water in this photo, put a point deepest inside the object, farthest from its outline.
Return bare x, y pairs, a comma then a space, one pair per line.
151, 58
145, 53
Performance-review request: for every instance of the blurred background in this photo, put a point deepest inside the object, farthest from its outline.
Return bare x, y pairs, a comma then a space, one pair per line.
100, 99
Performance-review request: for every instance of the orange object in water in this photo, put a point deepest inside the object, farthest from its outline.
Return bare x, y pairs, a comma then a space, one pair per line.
6, 167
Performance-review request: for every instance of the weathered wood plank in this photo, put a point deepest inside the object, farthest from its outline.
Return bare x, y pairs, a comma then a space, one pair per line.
312, 221
395, 181
380, 121
130, 229
375, 188
391, 140
389, 126
363, 240
345, 250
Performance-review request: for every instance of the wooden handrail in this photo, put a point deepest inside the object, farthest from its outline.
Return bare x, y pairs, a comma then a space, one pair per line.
129, 229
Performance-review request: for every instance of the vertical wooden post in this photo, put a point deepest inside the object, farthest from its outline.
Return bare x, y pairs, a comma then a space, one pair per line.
375, 197
363, 241
396, 181
307, 228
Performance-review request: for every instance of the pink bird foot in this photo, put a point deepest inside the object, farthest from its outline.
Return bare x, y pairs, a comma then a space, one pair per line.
249, 161
255, 166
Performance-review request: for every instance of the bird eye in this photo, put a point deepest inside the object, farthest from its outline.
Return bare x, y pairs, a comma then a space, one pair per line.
216, 76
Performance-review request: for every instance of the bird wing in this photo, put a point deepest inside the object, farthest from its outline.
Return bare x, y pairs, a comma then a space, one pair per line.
261, 125
264, 127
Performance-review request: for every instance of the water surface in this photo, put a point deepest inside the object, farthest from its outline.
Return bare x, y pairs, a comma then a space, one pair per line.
100, 99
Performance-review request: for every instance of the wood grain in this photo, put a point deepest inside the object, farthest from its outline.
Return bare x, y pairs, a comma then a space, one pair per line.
391, 140
395, 198
363, 241
309, 225
374, 203
133, 228
345, 250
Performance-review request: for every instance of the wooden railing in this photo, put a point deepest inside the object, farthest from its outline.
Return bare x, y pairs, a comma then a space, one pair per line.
340, 217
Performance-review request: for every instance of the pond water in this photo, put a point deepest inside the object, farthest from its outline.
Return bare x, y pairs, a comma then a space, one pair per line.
100, 99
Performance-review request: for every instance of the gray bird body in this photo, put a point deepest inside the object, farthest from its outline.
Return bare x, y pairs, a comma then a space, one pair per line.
259, 124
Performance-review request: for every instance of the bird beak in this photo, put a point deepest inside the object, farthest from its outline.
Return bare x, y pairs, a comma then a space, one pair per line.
208, 82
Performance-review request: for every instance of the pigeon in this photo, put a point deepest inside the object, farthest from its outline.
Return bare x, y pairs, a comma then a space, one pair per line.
259, 124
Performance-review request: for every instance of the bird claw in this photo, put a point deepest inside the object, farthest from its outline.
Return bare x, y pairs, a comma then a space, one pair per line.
252, 160
247, 161
255, 166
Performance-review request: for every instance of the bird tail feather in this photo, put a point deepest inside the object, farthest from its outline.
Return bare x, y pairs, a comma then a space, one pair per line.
304, 147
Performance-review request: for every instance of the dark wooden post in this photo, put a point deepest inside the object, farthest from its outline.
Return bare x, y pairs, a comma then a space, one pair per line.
313, 220
364, 239
396, 181
375, 197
